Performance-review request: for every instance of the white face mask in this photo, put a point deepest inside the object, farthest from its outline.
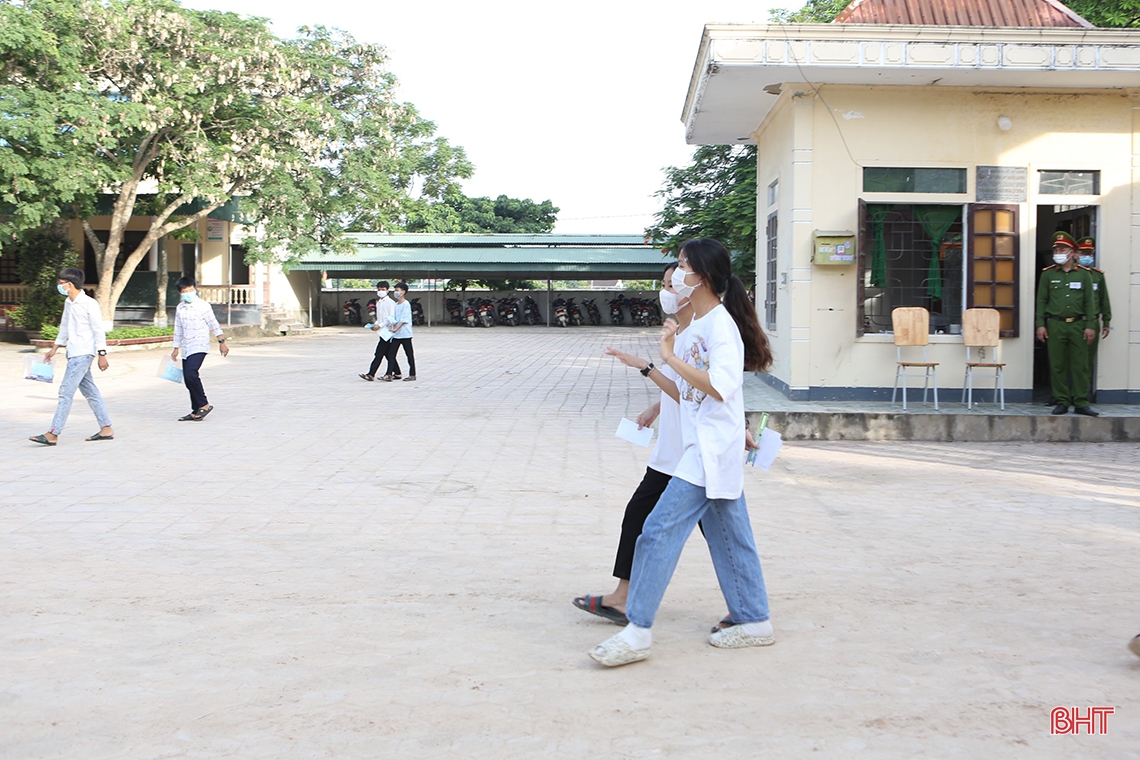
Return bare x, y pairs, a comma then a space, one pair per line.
382, 293
683, 290
670, 302
1060, 258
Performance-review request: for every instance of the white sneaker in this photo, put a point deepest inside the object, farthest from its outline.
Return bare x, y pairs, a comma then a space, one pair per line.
616, 651
736, 638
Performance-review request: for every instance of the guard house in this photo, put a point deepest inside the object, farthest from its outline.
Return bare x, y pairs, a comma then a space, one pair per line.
915, 153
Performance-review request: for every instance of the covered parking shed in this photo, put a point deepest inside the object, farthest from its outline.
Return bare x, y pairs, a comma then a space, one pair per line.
435, 257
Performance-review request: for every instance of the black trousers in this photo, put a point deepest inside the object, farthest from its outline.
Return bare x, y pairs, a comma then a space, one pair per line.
642, 502
393, 365
382, 348
190, 367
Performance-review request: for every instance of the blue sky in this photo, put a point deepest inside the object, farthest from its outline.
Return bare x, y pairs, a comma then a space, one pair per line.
579, 104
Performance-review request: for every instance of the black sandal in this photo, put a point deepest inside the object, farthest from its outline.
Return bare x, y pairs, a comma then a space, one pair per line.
200, 415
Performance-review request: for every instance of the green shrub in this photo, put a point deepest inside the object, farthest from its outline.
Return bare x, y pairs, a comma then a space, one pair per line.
124, 333
51, 332
39, 259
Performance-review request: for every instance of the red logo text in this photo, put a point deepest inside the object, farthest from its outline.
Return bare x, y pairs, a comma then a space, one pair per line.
1068, 720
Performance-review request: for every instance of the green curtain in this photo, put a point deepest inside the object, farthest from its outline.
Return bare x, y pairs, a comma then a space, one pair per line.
935, 221
878, 214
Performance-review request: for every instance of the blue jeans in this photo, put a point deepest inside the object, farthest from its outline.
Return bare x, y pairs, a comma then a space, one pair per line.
78, 375
731, 544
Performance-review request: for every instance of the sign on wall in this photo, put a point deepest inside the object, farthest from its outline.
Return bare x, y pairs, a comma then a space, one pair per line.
1002, 184
215, 229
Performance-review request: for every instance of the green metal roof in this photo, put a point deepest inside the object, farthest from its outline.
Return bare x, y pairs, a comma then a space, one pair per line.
494, 257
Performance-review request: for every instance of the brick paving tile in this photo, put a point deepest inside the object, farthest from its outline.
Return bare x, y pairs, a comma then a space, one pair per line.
329, 567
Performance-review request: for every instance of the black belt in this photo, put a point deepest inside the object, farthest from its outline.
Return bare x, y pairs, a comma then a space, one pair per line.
1063, 319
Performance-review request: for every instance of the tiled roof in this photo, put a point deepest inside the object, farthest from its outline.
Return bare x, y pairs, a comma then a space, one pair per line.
1020, 13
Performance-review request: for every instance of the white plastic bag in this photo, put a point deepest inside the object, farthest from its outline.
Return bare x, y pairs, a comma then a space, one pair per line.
39, 368
168, 369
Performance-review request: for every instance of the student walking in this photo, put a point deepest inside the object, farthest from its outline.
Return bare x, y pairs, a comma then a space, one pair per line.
385, 310
662, 460
194, 320
401, 336
81, 332
723, 340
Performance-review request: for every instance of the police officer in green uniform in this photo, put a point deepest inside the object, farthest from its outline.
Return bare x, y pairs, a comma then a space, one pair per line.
1066, 316
1086, 250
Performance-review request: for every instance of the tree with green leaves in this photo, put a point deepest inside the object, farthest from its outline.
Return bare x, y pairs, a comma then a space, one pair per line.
813, 12
456, 212
175, 112
1108, 13
714, 196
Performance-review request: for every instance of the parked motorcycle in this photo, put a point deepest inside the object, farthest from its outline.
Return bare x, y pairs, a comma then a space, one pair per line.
417, 312
454, 310
352, 311
486, 312
561, 316
592, 312
617, 316
509, 310
653, 311
372, 311
574, 312
531, 314
471, 313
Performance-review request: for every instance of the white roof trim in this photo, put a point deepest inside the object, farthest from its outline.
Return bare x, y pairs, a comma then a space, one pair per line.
726, 98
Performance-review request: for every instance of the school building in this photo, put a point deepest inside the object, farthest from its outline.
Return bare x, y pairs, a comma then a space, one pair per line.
923, 154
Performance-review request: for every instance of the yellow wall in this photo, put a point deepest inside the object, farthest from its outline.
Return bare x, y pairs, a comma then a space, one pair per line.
933, 127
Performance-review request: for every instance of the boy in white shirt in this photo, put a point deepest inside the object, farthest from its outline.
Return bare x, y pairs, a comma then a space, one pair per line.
81, 331
385, 311
193, 322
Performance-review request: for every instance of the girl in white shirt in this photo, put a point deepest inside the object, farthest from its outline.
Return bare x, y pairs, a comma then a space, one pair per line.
662, 461
723, 340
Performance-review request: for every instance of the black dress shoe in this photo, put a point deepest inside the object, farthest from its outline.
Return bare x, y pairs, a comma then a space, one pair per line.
1061, 409
1086, 411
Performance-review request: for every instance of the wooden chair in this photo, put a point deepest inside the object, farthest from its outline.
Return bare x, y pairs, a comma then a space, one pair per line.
912, 328
981, 328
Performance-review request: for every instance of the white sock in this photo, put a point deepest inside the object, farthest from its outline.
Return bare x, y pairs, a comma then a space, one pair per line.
637, 638
761, 630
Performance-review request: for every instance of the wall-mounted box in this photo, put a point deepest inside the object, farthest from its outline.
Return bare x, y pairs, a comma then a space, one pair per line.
833, 248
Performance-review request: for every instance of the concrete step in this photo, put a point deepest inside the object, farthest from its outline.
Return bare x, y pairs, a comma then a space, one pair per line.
296, 328
969, 427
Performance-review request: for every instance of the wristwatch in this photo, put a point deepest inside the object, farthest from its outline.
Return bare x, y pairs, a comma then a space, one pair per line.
101, 353
221, 340
645, 372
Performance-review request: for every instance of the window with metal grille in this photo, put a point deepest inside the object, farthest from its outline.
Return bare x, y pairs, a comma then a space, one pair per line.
1069, 183
910, 255
770, 272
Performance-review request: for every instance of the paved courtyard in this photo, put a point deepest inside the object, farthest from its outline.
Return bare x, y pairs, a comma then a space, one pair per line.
332, 568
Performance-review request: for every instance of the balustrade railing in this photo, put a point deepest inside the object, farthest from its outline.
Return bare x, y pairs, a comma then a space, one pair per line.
228, 294
13, 294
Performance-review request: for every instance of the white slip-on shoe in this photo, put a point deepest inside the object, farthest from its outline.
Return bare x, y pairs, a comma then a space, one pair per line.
1134, 645
736, 638
616, 651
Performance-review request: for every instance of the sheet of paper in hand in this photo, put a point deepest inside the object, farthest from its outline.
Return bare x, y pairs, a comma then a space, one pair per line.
628, 431
770, 444
169, 370
385, 333
36, 368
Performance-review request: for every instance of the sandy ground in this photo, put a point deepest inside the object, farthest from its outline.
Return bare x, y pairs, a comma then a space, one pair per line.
332, 568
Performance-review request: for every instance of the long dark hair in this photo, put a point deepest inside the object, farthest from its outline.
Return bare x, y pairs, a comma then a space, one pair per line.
711, 261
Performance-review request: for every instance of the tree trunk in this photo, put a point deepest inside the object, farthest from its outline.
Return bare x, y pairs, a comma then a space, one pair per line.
160, 319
